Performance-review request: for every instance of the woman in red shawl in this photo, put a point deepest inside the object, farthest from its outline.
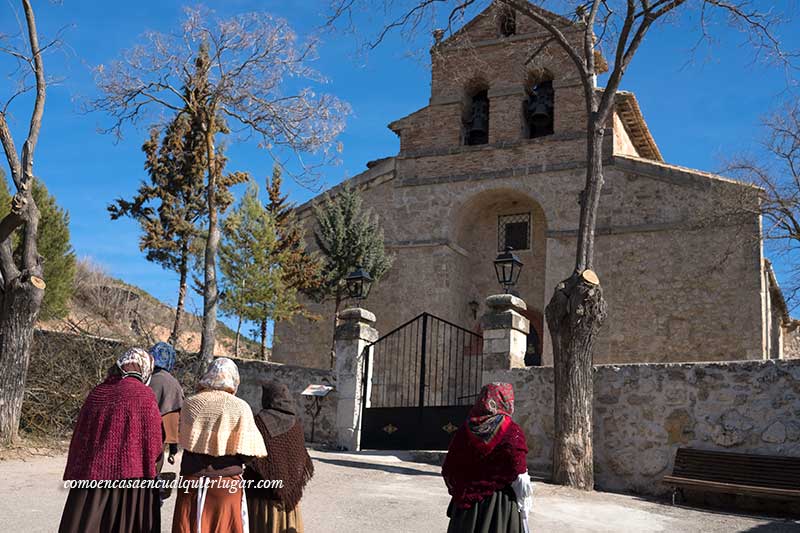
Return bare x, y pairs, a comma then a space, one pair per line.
486, 456
117, 437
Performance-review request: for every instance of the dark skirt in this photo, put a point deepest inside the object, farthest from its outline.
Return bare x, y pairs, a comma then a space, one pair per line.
118, 510
497, 513
270, 516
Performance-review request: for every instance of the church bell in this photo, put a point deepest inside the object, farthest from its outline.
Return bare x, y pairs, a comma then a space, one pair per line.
478, 131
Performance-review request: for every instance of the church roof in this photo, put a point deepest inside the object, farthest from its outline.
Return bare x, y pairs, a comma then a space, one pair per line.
631, 115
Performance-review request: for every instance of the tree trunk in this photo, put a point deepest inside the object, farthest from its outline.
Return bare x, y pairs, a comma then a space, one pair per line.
264, 339
184, 270
18, 312
208, 342
238, 336
574, 316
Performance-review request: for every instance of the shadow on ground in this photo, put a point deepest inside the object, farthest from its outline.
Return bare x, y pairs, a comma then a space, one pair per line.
376, 466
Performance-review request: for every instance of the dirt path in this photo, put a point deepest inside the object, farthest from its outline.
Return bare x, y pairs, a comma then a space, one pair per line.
354, 493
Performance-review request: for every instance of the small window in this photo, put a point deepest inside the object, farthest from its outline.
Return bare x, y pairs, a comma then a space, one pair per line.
539, 109
476, 123
507, 23
514, 231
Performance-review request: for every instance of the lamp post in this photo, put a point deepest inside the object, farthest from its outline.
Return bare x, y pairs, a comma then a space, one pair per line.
507, 267
358, 282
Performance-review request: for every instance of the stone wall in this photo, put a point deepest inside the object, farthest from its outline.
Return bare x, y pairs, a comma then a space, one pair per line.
296, 379
643, 413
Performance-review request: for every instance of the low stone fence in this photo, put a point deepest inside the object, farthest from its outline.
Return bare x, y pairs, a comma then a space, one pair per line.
643, 413
296, 379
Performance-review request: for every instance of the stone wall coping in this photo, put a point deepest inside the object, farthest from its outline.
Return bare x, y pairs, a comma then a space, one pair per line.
503, 302
357, 314
789, 364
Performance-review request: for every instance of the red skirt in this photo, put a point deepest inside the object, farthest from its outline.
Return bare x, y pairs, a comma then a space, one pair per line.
221, 507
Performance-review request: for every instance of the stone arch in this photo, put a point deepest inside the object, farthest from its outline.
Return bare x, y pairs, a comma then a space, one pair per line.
476, 234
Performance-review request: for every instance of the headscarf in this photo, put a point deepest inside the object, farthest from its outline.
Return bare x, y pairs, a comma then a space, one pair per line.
279, 412
136, 363
164, 355
221, 375
287, 458
494, 406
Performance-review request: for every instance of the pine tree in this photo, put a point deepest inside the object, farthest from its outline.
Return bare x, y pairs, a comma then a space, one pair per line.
302, 269
251, 261
53, 244
349, 237
171, 207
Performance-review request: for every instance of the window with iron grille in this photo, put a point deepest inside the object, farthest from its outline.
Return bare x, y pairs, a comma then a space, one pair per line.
514, 231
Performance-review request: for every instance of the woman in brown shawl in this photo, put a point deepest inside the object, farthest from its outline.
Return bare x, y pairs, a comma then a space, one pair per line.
278, 510
169, 395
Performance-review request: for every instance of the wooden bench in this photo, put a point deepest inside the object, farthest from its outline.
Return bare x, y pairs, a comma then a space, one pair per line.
764, 476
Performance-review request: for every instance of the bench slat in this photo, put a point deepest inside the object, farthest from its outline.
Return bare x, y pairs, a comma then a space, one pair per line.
731, 488
736, 473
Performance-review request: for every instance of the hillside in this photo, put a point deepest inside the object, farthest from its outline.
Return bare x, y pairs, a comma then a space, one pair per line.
106, 307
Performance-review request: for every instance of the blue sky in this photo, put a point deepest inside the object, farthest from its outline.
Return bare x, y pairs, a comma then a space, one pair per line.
697, 112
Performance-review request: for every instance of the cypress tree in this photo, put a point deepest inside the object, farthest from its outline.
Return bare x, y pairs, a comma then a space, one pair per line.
349, 237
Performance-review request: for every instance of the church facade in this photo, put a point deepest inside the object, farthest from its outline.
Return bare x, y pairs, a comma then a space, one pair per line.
497, 158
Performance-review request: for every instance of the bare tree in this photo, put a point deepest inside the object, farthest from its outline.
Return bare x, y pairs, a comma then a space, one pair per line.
227, 72
577, 308
776, 171
22, 284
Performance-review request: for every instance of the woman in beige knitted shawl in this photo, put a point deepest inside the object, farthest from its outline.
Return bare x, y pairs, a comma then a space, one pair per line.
218, 435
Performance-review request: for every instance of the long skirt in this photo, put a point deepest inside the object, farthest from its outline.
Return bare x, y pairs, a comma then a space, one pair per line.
119, 510
497, 513
269, 516
219, 507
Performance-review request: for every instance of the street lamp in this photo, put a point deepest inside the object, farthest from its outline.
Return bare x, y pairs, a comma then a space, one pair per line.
358, 283
507, 266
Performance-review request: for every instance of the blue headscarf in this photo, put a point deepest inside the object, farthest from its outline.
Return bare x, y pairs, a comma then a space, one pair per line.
164, 355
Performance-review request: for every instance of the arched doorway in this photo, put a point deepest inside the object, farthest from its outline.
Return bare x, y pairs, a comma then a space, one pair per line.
483, 226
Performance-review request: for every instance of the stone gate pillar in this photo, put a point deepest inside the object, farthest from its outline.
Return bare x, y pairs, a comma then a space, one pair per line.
353, 334
505, 335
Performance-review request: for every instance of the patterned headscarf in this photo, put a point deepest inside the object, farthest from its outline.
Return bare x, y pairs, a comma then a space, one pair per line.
221, 375
496, 403
164, 355
138, 358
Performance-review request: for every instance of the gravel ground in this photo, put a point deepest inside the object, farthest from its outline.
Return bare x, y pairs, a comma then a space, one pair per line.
384, 493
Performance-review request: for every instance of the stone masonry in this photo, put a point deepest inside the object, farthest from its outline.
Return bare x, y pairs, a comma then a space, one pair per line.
680, 286
643, 413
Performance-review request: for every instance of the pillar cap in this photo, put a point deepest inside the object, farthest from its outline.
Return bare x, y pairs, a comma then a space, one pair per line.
503, 302
357, 314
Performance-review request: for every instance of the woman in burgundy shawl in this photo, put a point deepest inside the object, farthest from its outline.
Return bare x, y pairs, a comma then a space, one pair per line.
117, 437
278, 510
485, 457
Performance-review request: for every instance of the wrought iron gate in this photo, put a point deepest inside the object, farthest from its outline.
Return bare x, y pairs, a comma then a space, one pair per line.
419, 383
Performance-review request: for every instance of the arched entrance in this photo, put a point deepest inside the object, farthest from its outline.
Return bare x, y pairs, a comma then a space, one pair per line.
483, 226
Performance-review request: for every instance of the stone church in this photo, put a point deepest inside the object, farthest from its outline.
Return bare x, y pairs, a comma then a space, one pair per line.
497, 158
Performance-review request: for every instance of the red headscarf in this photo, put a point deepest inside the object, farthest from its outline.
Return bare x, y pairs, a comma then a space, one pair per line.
489, 417
488, 452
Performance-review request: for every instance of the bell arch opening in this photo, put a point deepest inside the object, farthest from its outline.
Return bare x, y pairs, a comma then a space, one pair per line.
538, 108
475, 113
